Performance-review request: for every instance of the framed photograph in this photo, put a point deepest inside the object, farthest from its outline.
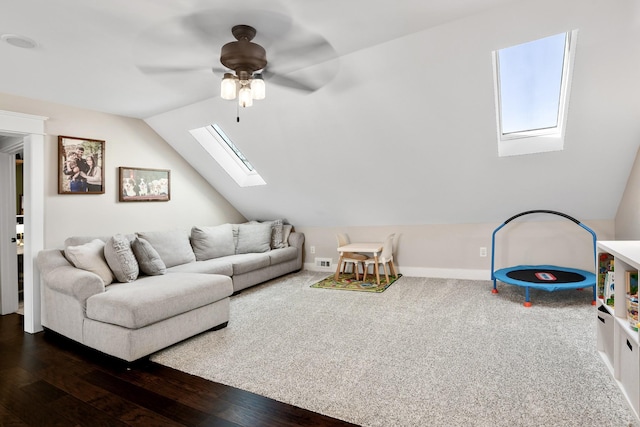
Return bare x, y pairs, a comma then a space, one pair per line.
80, 165
144, 185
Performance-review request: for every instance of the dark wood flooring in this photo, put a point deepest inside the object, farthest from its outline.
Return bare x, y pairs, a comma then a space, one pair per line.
46, 380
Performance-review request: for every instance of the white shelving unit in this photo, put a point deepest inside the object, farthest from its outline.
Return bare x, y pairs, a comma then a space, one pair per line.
618, 342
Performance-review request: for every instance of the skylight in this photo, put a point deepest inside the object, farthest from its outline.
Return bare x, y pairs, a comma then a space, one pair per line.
532, 82
216, 142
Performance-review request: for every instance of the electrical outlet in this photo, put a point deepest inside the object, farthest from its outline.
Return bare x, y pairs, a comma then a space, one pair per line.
483, 251
313, 249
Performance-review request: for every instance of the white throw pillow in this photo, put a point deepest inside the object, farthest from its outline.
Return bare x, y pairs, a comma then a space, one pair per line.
90, 257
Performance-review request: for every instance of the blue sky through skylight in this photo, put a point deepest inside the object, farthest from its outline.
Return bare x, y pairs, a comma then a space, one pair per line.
530, 76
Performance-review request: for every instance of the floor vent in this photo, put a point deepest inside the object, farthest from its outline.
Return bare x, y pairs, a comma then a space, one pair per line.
324, 262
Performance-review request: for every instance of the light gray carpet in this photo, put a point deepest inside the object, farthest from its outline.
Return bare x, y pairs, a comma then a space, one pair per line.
426, 352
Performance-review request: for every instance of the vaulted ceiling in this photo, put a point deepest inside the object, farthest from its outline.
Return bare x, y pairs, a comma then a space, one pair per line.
403, 129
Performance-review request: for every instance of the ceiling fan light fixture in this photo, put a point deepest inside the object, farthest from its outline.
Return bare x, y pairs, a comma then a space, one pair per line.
244, 96
228, 87
258, 87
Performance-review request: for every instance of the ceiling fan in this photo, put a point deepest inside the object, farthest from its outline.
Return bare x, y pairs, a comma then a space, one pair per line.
246, 59
298, 59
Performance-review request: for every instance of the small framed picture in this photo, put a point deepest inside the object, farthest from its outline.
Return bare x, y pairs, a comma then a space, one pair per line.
144, 185
80, 165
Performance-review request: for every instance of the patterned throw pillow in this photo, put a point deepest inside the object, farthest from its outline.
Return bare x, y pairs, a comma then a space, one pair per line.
121, 260
276, 234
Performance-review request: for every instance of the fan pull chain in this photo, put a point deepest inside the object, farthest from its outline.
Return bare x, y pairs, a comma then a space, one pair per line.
237, 112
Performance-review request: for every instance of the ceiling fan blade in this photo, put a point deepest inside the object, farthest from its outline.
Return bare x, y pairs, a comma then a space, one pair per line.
300, 52
154, 69
289, 82
214, 25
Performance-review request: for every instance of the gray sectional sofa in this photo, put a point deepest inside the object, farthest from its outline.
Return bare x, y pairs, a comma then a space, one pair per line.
130, 296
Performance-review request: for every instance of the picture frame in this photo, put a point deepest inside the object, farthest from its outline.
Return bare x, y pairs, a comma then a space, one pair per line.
144, 185
80, 165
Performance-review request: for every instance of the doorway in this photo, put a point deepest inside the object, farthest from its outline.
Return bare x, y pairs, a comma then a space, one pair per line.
31, 129
11, 220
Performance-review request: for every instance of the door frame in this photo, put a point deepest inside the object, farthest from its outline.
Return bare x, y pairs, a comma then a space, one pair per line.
31, 127
8, 248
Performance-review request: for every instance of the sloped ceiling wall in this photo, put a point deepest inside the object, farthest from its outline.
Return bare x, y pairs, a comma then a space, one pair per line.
405, 134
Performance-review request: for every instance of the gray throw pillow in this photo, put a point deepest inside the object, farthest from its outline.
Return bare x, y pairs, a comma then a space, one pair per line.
121, 260
90, 257
148, 258
254, 238
212, 242
173, 247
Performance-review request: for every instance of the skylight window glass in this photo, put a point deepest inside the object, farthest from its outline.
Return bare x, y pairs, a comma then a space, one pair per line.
232, 147
218, 144
532, 82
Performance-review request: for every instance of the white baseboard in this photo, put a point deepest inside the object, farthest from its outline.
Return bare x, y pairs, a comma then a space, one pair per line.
439, 273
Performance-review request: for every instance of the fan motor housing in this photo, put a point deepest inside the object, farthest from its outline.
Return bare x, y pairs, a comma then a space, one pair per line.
243, 55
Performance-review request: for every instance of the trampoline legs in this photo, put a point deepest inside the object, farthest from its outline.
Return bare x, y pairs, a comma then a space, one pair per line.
494, 290
527, 301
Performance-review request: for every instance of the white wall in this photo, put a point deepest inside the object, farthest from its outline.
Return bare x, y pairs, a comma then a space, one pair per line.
129, 142
628, 215
452, 250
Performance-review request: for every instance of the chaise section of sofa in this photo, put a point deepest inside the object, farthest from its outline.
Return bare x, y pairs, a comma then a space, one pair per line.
130, 296
129, 320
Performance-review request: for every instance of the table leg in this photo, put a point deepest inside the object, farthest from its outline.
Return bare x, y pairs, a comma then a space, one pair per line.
338, 268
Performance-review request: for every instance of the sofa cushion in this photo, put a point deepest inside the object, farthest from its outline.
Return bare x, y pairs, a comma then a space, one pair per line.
151, 299
90, 257
173, 246
254, 238
281, 255
121, 260
244, 263
210, 266
148, 258
212, 242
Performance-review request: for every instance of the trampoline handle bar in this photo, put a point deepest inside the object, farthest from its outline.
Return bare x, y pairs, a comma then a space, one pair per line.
542, 211
493, 236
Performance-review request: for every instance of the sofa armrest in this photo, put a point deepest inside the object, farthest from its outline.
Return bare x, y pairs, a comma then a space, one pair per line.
60, 275
296, 239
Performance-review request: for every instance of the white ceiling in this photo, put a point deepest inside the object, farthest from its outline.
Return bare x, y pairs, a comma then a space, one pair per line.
403, 131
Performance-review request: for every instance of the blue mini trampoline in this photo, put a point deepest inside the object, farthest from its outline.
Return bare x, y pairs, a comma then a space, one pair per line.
545, 277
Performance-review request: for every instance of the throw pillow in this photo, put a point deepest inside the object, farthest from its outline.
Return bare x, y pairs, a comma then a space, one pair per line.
276, 234
90, 257
253, 238
121, 260
286, 231
173, 247
212, 242
148, 258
